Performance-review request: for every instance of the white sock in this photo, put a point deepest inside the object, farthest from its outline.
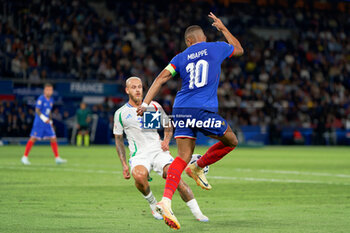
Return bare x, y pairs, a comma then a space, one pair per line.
194, 207
151, 199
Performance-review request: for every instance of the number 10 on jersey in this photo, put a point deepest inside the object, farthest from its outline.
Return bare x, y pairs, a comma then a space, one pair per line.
198, 73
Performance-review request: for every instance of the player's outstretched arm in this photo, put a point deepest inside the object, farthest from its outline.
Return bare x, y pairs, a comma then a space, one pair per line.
162, 78
119, 143
229, 37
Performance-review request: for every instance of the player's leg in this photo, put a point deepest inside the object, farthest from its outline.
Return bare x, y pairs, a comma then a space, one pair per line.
54, 147
140, 174
79, 138
86, 138
36, 132
29, 145
226, 144
188, 197
185, 150
50, 133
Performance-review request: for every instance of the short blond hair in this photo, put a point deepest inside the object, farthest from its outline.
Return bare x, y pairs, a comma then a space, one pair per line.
132, 78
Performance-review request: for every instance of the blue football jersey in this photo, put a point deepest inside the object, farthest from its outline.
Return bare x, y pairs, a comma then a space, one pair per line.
45, 106
199, 67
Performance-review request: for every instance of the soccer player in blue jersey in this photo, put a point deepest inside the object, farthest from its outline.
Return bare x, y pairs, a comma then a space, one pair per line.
195, 108
42, 127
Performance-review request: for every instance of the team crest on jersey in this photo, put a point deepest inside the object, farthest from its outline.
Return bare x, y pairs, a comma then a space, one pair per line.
128, 116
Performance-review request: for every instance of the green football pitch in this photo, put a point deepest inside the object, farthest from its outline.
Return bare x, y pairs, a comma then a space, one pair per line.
268, 189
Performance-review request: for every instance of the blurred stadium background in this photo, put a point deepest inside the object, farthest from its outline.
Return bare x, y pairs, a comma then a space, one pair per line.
292, 85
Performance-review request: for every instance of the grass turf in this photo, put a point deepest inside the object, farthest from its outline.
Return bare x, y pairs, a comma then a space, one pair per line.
269, 189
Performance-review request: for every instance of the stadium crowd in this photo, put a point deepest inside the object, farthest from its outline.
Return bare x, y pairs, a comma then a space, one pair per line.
297, 81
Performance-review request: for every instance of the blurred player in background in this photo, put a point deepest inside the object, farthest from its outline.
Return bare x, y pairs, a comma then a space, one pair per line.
42, 126
83, 124
199, 67
147, 151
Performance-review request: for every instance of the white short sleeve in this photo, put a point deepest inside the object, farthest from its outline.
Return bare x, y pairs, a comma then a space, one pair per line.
118, 127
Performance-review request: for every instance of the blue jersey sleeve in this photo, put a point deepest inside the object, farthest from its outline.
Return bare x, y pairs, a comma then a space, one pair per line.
39, 102
226, 50
174, 65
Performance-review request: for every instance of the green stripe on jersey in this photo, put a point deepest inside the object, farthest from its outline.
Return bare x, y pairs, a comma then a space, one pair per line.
120, 119
171, 70
133, 154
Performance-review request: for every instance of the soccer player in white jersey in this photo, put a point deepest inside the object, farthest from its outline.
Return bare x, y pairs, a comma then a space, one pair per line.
147, 151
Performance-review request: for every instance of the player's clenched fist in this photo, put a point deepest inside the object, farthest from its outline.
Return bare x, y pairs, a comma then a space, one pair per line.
141, 109
165, 146
126, 172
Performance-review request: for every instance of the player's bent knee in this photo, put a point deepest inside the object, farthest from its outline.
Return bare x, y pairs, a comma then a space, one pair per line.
140, 179
165, 171
185, 156
234, 142
140, 176
231, 143
32, 139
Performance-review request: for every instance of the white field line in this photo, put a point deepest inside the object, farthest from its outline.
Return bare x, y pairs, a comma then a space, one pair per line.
276, 180
236, 169
293, 172
81, 165
22, 167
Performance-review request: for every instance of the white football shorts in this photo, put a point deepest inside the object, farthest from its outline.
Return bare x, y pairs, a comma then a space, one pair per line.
154, 160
